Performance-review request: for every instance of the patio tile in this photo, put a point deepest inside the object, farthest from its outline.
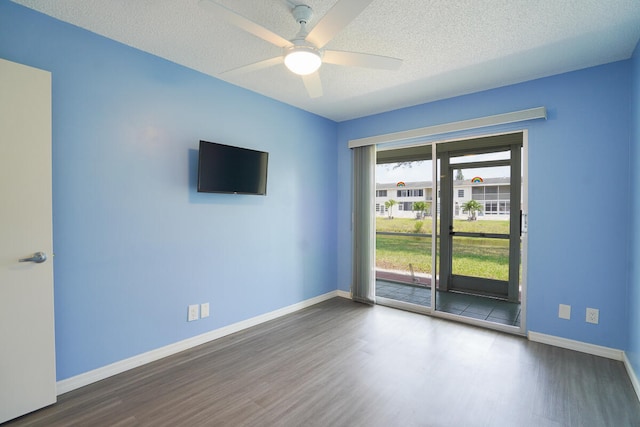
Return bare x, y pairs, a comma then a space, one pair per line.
449, 309
505, 312
474, 315
499, 320
480, 309
455, 305
472, 306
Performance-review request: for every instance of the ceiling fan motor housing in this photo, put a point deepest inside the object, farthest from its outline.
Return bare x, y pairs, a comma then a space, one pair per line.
302, 57
302, 13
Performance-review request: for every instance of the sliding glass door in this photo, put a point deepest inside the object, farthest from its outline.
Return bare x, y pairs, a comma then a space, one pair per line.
473, 202
480, 229
405, 208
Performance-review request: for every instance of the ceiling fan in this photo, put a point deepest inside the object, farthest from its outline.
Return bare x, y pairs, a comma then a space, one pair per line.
304, 54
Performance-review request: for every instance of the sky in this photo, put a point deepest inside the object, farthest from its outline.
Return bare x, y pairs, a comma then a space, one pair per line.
421, 171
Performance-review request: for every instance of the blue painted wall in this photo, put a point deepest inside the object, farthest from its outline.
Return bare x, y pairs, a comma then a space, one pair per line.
578, 192
134, 242
633, 351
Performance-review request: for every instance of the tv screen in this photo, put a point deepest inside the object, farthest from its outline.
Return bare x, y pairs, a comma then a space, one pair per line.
227, 169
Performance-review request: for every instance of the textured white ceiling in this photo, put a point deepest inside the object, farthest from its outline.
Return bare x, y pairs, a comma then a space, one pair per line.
449, 47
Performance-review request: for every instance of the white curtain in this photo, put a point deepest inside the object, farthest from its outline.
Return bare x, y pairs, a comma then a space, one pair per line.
364, 233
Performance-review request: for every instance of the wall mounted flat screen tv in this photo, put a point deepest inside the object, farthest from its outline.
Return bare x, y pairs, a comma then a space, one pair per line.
227, 169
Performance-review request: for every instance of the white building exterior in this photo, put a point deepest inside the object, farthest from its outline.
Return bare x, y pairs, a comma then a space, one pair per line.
492, 194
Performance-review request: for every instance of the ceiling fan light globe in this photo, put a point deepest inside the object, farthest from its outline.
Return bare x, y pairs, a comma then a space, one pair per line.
302, 61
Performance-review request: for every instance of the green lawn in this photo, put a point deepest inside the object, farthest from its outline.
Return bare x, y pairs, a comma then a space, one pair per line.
406, 225
472, 256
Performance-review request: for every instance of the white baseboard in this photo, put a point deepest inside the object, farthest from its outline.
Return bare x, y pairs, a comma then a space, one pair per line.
344, 294
632, 375
596, 350
95, 375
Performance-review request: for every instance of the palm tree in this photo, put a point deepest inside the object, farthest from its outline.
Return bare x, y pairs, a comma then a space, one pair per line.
389, 206
472, 207
419, 207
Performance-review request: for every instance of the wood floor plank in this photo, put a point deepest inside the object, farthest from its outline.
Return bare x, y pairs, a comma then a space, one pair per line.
340, 363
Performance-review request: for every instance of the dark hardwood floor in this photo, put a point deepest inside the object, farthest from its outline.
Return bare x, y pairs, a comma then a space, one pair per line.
341, 363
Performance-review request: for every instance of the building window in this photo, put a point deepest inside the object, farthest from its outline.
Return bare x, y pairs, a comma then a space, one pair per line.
410, 193
497, 208
491, 208
381, 193
477, 193
460, 194
491, 192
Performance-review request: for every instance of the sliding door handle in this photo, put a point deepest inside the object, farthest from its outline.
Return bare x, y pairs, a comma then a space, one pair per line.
38, 257
524, 223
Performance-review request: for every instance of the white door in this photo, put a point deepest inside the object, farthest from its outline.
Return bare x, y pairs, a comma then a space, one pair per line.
27, 357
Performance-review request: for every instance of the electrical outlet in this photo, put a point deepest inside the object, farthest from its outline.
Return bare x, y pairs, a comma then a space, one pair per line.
193, 313
204, 310
564, 311
593, 315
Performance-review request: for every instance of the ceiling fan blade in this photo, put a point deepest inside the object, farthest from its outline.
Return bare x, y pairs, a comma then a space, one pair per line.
338, 17
253, 67
244, 23
313, 84
356, 59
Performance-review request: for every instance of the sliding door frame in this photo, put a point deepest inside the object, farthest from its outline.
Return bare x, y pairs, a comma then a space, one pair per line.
507, 289
501, 124
431, 310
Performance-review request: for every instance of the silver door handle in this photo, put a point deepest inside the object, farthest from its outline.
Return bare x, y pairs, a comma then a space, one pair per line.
38, 257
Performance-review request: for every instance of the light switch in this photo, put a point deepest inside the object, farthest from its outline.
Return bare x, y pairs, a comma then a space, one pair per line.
564, 311
193, 312
204, 310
